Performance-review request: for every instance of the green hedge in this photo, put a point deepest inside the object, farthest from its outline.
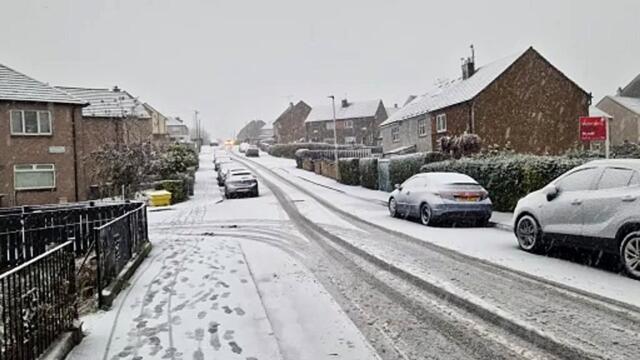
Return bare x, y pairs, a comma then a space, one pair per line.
289, 150
179, 189
509, 178
369, 173
349, 171
405, 166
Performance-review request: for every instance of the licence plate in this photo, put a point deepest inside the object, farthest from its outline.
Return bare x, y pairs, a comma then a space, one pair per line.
468, 199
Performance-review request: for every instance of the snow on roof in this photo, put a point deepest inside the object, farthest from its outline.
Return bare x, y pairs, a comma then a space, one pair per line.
448, 177
174, 121
595, 112
392, 110
17, 86
356, 109
632, 104
108, 103
453, 92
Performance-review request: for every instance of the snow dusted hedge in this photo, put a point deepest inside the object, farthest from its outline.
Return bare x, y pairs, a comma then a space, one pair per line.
369, 173
289, 150
349, 171
509, 178
405, 166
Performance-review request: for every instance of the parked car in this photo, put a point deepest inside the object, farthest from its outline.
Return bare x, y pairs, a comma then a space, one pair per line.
252, 151
594, 206
439, 196
225, 171
243, 147
219, 161
240, 183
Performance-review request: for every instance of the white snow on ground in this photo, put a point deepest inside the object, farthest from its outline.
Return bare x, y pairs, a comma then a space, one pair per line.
494, 245
214, 288
301, 311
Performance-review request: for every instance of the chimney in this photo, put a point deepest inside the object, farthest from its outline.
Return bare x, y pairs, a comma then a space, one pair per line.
395, 105
345, 103
116, 89
468, 65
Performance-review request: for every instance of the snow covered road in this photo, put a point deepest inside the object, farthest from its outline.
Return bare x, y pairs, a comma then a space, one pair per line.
568, 323
223, 281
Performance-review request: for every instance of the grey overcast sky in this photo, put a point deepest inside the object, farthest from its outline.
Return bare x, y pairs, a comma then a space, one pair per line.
239, 60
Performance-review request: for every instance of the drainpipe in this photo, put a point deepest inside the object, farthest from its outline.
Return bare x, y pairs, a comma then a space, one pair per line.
75, 153
472, 125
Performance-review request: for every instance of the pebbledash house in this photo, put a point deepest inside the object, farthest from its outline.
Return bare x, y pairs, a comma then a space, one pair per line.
40, 155
521, 100
356, 122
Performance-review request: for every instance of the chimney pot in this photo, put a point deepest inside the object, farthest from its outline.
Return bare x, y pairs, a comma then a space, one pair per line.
345, 103
116, 89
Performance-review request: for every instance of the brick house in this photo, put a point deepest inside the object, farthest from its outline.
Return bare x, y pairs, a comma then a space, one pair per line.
112, 117
624, 108
356, 122
522, 100
289, 126
159, 132
39, 155
178, 130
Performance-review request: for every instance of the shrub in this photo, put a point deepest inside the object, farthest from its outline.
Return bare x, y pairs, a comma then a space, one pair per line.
369, 173
626, 150
177, 159
349, 171
459, 146
300, 155
289, 150
177, 188
405, 166
509, 178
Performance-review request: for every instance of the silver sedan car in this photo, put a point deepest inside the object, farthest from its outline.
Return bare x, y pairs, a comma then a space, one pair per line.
439, 196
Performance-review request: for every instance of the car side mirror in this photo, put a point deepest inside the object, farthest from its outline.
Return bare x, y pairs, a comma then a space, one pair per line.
551, 191
397, 186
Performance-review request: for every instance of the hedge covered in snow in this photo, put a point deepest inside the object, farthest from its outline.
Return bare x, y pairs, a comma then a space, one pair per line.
349, 171
369, 173
405, 166
509, 178
289, 150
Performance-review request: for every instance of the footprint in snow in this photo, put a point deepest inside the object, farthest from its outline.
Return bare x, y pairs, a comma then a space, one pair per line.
228, 335
202, 314
239, 311
235, 348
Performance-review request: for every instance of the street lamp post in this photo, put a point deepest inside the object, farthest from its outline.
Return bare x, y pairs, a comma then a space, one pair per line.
335, 135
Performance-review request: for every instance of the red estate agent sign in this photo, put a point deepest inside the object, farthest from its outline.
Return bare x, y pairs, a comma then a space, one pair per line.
593, 128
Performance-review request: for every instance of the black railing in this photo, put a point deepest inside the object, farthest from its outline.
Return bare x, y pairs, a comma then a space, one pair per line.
38, 303
118, 241
27, 232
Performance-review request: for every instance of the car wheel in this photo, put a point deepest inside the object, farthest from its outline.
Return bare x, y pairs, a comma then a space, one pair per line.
393, 207
529, 234
630, 254
426, 216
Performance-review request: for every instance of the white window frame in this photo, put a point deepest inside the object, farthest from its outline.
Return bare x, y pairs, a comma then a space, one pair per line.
22, 132
330, 125
423, 131
395, 134
34, 169
441, 123
347, 138
348, 124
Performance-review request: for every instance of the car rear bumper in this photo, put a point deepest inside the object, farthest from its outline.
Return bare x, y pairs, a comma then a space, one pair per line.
463, 210
242, 189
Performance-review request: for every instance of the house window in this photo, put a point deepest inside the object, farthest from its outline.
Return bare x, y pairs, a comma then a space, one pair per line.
30, 122
349, 139
422, 127
395, 134
441, 123
34, 176
348, 124
329, 125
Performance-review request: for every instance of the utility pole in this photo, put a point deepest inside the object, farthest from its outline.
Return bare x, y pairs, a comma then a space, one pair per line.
335, 135
197, 125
